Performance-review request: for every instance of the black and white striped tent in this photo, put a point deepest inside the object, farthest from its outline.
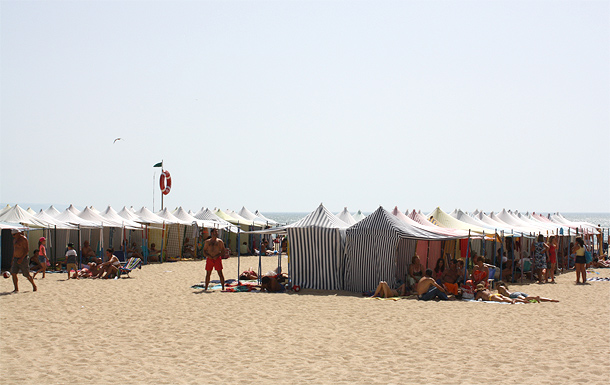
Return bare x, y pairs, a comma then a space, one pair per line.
316, 250
378, 248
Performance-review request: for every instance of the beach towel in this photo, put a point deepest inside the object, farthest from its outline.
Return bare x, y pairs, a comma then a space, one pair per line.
598, 279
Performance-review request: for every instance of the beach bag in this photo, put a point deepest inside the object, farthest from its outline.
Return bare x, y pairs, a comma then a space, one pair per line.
468, 290
588, 256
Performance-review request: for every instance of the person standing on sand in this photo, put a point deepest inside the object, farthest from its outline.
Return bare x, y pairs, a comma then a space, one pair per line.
71, 259
21, 260
213, 250
42, 257
581, 261
539, 253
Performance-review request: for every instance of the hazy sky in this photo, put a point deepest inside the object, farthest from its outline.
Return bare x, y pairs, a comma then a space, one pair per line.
281, 105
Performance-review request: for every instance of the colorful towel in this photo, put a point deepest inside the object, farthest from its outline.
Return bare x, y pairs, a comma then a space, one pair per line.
598, 279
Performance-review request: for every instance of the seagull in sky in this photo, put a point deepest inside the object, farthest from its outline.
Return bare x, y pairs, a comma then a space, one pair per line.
116, 140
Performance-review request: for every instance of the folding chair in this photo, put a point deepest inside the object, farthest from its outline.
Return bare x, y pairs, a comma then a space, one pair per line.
132, 264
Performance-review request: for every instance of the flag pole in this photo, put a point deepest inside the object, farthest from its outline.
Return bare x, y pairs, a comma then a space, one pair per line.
162, 191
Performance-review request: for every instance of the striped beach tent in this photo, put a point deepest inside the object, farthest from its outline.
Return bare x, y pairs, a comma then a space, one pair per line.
316, 250
375, 246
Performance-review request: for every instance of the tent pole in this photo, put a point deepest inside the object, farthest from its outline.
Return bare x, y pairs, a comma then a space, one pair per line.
502, 252
54, 247
238, 253
467, 256
512, 254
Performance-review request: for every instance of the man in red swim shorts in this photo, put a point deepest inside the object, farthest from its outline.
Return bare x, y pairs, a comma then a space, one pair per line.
213, 250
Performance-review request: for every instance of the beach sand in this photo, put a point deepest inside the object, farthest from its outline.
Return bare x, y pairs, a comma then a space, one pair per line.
154, 328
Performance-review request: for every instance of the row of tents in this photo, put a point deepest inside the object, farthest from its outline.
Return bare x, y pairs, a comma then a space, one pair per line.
327, 251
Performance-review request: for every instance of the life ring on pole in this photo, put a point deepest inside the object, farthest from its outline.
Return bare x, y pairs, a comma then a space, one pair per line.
165, 182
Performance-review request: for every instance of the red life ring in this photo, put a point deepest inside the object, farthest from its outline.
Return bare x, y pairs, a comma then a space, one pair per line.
165, 182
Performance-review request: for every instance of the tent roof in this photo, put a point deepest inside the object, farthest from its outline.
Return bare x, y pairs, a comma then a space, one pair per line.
43, 216
147, 216
5, 209
320, 217
264, 218
250, 216
52, 211
214, 220
69, 217
171, 218
16, 214
381, 218
346, 217
359, 216
429, 226
112, 215
73, 209
443, 219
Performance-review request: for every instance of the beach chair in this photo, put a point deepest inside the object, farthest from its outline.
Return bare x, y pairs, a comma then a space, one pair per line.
492, 277
132, 264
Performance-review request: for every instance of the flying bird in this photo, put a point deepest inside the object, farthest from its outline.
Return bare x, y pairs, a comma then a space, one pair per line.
116, 140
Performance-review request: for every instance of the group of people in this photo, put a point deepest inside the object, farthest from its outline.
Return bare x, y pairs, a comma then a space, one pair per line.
449, 282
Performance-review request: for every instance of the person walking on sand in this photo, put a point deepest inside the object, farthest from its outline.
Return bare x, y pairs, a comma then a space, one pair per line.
539, 253
213, 250
21, 260
42, 257
552, 258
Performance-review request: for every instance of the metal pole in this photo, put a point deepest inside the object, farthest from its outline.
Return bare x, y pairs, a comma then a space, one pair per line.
467, 256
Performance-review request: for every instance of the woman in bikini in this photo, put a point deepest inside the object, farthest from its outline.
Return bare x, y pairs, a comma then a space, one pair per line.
415, 272
385, 291
581, 261
438, 270
486, 295
517, 295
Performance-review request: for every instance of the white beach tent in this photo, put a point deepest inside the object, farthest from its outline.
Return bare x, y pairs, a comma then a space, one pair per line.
248, 215
359, 216
18, 215
29, 210
215, 220
147, 216
445, 220
54, 223
112, 215
52, 211
429, 226
171, 218
264, 218
376, 245
69, 217
5, 209
346, 217
74, 210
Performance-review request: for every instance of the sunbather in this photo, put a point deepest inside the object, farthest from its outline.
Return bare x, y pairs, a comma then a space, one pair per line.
109, 268
486, 295
503, 289
271, 285
385, 291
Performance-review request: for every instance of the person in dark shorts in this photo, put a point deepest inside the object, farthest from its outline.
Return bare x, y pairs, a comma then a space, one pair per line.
71, 259
21, 260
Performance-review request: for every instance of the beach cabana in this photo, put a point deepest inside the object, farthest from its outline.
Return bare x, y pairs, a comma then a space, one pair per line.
376, 246
264, 218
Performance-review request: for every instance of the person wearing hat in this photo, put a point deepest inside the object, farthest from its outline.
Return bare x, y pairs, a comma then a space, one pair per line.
21, 259
71, 259
42, 257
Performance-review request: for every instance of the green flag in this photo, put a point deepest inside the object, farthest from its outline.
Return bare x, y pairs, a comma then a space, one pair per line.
160, 164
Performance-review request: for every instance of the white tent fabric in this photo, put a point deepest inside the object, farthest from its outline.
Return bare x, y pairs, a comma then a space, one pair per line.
499, 226
264, 218
359, 216
215, 221
239, 218
95, 210
18, 215
10, 226
346, 217
250, 216
52, 211
429, 226
29, 210
73, 210
445, 220
112, 215
171, 218
184, 216
43, 216
69, 217
147, 216
89, 215
5, 209
463, 217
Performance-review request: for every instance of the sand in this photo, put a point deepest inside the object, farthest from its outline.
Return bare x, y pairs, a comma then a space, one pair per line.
154, 328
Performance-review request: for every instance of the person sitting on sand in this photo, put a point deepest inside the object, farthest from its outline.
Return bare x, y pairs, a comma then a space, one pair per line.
503, 289
188, 250
428, 289
484, 294
153, 253
385, 291
88, 253
271, 285
480, 272
450, 277
415, 272
109, 268
244, 249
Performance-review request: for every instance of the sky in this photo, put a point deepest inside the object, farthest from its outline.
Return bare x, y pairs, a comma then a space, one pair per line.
282, 105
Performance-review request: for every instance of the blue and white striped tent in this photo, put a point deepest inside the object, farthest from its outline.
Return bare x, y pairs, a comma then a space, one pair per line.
376, 248
316, 250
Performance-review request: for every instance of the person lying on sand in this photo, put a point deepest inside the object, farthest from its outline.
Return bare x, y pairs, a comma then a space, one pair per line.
503, 289
385, 291
271, 285
486, 295
428, 289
